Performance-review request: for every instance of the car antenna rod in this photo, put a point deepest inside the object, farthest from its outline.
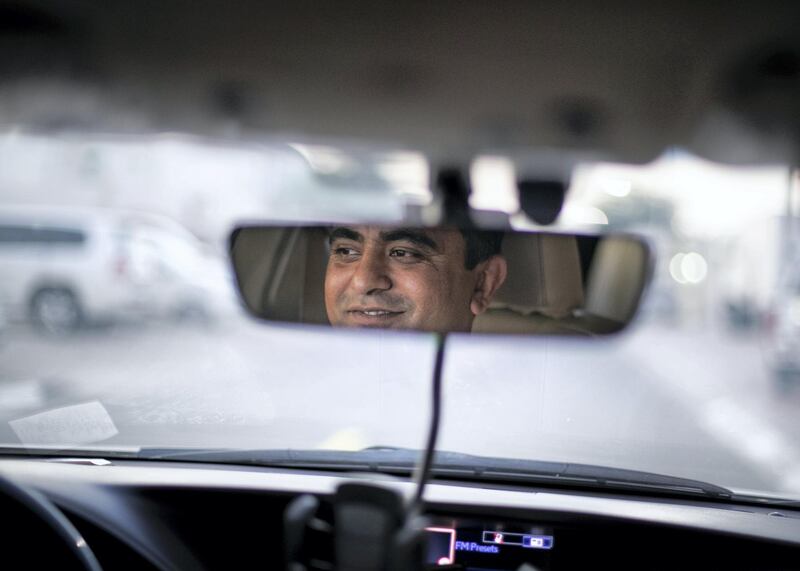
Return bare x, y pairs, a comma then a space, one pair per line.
425, 465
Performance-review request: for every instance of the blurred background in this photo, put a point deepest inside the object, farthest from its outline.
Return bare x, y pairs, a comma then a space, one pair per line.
116, 287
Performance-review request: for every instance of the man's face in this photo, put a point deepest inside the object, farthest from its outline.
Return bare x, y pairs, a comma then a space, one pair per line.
402, 278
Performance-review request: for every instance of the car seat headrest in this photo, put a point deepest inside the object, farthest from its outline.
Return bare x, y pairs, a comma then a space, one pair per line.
544, 275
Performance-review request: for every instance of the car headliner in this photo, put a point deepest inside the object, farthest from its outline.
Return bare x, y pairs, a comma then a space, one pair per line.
622, 80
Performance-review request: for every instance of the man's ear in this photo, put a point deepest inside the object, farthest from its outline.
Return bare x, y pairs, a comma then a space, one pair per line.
492, 274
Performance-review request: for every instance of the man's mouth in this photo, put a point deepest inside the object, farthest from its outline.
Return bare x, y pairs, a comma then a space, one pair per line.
372, 315
374, 312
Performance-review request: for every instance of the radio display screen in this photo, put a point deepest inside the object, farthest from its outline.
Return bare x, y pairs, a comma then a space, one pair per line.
482, 546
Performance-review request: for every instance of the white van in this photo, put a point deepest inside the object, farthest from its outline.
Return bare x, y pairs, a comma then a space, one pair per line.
63, 267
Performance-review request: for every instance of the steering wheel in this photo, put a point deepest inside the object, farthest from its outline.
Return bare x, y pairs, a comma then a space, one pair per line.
36, 531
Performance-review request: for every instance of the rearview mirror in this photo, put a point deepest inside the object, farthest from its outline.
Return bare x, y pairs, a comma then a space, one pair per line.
441, 279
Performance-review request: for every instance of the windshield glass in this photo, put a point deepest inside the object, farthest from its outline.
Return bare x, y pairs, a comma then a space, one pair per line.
121, 328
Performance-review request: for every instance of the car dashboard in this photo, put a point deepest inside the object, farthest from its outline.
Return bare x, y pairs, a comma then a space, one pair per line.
170, 515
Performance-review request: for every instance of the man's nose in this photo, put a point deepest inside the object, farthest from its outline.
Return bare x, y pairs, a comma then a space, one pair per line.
371, 275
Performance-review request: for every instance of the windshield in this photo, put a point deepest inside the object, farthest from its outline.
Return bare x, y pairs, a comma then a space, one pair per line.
121, 329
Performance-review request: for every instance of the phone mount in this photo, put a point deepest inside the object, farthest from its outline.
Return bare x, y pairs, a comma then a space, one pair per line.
372, 530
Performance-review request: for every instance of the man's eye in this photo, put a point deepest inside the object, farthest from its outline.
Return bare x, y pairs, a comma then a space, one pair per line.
405, 255
344, 252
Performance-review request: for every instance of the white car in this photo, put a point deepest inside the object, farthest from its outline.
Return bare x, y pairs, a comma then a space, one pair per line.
64, 267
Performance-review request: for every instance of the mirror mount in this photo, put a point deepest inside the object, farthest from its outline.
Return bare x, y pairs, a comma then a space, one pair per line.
454, 189
542, 199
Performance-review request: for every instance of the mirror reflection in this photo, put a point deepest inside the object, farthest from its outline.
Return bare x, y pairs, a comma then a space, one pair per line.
440, 279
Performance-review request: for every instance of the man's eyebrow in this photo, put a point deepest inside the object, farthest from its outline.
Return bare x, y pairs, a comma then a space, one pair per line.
414, 236
345, 233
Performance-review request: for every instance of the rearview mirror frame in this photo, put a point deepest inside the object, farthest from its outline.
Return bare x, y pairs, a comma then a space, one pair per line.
615, 270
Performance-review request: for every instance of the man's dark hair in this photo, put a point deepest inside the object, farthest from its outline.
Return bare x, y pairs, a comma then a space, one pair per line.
480, 245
